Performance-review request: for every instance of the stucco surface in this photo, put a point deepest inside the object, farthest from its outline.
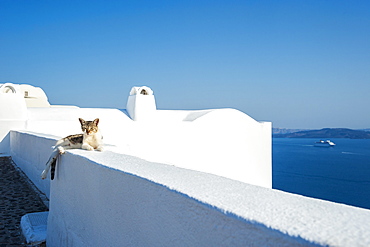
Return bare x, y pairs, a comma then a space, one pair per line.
170, 206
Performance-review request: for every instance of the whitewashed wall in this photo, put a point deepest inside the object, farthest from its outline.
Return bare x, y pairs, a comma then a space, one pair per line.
111, 199
224, 142
30, 152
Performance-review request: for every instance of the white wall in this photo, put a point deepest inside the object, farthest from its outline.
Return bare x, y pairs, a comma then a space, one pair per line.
111, 199
30, 152
224, 142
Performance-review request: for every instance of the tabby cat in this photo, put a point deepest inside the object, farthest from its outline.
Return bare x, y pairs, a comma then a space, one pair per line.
91, 139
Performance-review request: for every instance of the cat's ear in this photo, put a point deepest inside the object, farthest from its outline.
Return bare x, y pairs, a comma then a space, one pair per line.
81, 121
96, 121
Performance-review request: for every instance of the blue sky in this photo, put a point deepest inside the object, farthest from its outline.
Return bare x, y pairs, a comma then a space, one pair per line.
298, 64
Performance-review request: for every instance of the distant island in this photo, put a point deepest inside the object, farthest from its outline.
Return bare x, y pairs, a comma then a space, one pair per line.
323, 133
276, 131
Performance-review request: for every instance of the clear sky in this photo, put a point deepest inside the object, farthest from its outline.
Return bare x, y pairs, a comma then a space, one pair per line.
298, 64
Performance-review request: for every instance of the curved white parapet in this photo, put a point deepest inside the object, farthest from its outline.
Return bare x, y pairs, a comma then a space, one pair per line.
34, 96
13, 113
225, 142
15, 101
12, 104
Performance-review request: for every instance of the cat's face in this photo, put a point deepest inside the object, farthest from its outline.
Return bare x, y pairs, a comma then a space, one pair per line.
89, 127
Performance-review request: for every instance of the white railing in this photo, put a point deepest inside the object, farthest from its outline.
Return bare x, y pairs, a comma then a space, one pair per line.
111, 199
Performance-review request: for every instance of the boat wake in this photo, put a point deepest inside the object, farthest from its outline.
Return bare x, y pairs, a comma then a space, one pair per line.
352, 153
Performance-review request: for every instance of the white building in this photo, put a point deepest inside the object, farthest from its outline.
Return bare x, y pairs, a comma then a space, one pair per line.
223, 142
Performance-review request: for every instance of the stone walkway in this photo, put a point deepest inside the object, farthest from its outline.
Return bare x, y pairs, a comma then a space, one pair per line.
17, 198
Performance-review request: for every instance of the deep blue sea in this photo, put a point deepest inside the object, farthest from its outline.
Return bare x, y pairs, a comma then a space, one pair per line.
339, 174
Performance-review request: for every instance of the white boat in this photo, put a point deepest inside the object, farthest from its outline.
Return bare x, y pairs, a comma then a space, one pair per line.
326, 143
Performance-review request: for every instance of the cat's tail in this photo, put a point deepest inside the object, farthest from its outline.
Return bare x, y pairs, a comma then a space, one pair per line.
52, 171
51, 164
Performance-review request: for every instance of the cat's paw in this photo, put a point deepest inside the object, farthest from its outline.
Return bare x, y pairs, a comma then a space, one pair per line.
61, 150
100, 148
87, 147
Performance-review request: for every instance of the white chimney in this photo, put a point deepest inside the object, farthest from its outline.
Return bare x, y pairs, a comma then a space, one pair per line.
141, 103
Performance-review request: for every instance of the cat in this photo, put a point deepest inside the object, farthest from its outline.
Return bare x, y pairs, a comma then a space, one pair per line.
91, 139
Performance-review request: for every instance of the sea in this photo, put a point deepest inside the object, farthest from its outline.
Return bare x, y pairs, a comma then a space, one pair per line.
339, 174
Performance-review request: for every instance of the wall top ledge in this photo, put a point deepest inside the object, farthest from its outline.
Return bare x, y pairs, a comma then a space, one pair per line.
317, 221
37, 134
